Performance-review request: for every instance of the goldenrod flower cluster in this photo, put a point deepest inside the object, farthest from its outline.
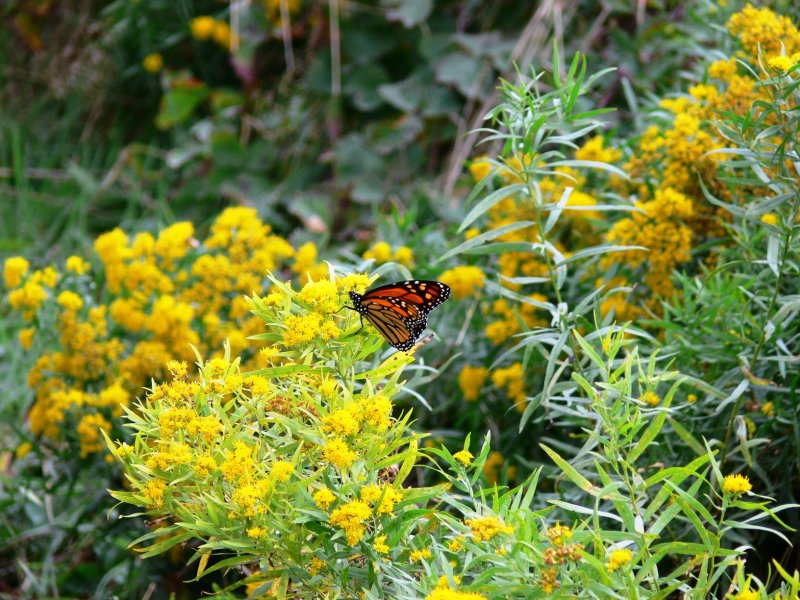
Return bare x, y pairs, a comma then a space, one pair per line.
161, 295
205, 28
289, 456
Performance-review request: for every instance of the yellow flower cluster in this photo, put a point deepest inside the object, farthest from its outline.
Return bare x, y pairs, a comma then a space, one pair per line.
208, 28
464, 281
577, 227
161, 298
661, 226
471, 380
381, 252
736, 484
761, 28
511, 379
669, 162
618, 559
444, 591
486, 528
350, 517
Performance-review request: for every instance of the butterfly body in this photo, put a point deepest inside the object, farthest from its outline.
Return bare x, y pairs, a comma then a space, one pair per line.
399, 311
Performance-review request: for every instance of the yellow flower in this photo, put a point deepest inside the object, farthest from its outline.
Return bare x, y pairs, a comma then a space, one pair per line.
464, 281
202, 27
493, 467
464, 457
174, 242
485, 528
770, 219
222, 34
321, 295
780, 63
316, 565
154, 491
14, 271
691, 398
323, 498
619, 558
26, 337
767, 408
471, 233
405, 256
340, 422
379, 543
736, 484
88, 430
650, 398
76, 264
471, 380
448, 593
301, 329
153, 62
23, 449
256, 532
352, 282
511, 379
747, 594
480, 168
338, 454
558, 534
419, 555
350, 517
456, 544
380, 252
282, 470
70, 301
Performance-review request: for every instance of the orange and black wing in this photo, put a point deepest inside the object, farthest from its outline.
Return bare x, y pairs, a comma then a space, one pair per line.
399, 311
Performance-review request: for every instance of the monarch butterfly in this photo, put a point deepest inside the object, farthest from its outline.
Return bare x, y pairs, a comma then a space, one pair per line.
399, 311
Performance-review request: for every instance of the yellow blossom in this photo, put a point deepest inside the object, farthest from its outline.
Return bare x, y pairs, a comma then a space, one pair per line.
256, 532
76, 264
222, 34
338, 454
380, 252
323, 498
153, 62
282, 470
404, 256
768, 408
464, 281
456, 544
340, 422
23, 449
511, 379
379, 543
471, 380
70, 301
558, 534
619, 558
321, 295
471, 233
485, 528
352, 282
26, 337
202, 27
464, 457
444, 592
747, 594
770, 219
88, 430
480, 168
376, 411
650, 398
736, 484
419, 555
301, 329
691, 398
154, 491
316, 565
350, 517
205, 465
14, 271
493, 467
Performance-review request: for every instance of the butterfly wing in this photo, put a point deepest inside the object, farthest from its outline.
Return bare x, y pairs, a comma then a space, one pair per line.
399, 311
